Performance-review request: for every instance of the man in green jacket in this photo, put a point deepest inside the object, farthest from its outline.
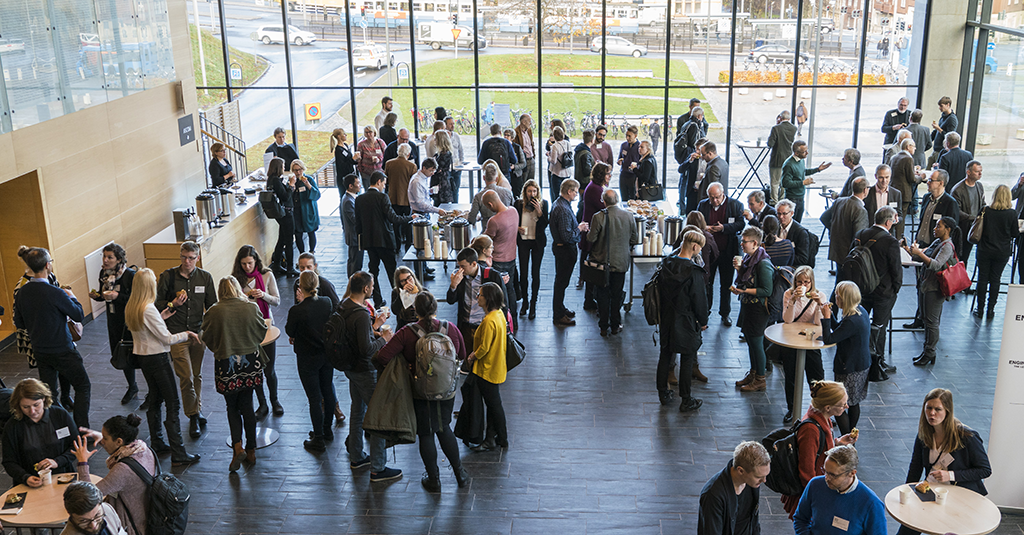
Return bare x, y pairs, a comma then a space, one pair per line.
796, 177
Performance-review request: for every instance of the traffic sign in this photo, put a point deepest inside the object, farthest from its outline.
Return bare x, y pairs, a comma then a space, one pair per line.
236, 73
403, 72
362, 24
455, 33
313, 111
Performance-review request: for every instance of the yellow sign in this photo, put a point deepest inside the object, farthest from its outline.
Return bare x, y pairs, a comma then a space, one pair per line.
455, 33
313, 111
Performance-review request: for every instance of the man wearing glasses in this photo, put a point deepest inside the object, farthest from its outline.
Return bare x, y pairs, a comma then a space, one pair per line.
795, 232
87, 512
724, 217
190, 292
838, 502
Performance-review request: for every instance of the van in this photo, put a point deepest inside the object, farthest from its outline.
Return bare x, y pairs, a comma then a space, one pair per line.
438, 34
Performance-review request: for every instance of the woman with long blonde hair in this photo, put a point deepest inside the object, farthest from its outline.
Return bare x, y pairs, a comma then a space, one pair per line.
853, 357
344, 159
152, 349
998, 234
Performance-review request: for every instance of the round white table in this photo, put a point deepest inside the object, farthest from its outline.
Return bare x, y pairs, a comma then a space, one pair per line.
788, 335
965, 512
44, 506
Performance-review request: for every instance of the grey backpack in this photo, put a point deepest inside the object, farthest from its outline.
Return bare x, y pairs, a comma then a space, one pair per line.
436, 373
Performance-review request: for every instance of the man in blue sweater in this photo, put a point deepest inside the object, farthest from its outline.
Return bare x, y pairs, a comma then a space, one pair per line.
44, 310
838, 503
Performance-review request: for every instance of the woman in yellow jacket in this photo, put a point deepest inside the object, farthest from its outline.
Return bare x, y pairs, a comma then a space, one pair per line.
488, 360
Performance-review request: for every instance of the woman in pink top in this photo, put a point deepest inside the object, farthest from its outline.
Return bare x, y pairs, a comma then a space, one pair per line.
801, 304
371, 153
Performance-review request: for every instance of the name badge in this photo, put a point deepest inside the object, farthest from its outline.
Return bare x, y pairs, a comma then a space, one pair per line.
200, 289
63, 433
732, 220
894, 115
893, 204
839, 523
110, 308
302, 189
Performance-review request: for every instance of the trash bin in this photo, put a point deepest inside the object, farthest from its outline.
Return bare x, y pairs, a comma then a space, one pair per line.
526, 40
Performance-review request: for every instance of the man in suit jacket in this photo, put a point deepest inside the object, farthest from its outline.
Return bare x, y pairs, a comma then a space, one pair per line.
970, 195
851, 160
904, 177
954, 160
399, 172
885, 251
724, 217
935, 205
895, 148
921, 136
758, 209
881, 195
781, 142
612, 234
849, 218
795, 232
391, 151
895, 120
375, 220
684, 118
348, 223
717, 170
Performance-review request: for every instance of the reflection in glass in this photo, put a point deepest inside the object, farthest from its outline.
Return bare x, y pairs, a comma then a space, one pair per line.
30, 71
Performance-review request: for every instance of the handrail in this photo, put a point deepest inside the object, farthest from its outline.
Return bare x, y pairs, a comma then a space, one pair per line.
325, 175
215, 133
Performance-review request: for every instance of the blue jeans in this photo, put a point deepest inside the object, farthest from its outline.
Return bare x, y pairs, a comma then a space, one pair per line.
360, 387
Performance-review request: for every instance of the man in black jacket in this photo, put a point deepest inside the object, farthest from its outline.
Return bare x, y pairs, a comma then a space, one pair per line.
362, 377
954, 160
933, 210
758, 208
895, 120
684, 315
729, 500
724, 217
584, 160
885, 252
465, 288
391, 151
795, 232
280, 149
687, 154
374, 224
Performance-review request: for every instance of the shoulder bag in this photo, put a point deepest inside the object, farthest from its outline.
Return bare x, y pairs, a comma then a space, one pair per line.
954, 278
515, 351
124, 357
974, 236
271, 206
591, 270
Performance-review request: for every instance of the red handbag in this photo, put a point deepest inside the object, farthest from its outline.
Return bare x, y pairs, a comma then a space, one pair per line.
954, 278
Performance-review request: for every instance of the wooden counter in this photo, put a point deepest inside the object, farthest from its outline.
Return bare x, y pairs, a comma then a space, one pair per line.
249, 226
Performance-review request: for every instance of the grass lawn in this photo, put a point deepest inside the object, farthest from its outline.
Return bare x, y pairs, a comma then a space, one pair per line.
252, 66
314, 149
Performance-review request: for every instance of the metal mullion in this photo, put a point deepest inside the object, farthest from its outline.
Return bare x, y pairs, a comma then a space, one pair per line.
476, 80
6, 125
604, 51
352, 73
288, 66
224, 45
412, 67
970, 132
865, 15
62, 76
538, 124
668, 72
732, 81
796, 65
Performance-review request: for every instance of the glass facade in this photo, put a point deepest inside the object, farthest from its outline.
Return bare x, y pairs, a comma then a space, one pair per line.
60, 56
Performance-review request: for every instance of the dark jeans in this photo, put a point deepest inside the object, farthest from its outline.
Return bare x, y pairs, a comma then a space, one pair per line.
554, 185
284, 252
495, 412
445, 437
813, 370
931, 308
360, 388
163, 388
71, 366
378, 255
300, 241
667, 361
530, 250
990, 274
589, 295
318, 384
565, 263
881, 311
403, 231
798, 210
456, 178
723, 267
627, 186
241, 415
271, 374
512, 288
355, 259
609, 301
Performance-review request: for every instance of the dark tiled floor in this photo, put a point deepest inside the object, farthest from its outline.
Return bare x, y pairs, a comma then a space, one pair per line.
592, 451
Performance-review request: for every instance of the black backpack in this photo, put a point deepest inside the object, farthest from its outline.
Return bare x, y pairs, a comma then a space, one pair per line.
782, 280
813, 242
167, 509
496, 150
859, 267
682, 154
651, 295
337, 347
566, 160
782, 447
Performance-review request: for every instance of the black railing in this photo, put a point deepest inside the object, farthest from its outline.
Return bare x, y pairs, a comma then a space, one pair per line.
215, 133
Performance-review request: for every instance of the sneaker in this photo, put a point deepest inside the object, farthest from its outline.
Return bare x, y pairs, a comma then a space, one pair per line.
361, 463
387, 474
666, 397
690, 405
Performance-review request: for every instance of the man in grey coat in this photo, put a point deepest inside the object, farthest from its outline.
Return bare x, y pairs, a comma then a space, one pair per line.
848, 218
781, 142
851, 159
348, 223
717, 170
612, 232
922, 138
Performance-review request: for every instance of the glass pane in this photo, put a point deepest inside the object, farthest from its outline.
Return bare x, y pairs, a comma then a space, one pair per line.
155, 53
30, 70
77, 45
513, 23
701, 38
999, 144
261, 112
251, 48
875, 103
119, 44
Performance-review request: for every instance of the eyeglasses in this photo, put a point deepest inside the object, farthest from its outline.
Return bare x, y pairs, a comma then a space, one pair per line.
189, 258
830, 475
748, 241
403, 282
86, 522
783, 213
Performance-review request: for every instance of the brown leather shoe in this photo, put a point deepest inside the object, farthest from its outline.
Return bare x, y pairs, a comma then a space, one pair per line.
697, 376
672, 379
250, 456
236, 459
747, 379
757, 385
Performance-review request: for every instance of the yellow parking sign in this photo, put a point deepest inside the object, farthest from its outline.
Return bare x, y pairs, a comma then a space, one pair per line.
313, 111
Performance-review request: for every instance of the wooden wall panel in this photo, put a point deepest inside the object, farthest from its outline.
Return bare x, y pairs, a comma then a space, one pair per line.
39, 145
22, 224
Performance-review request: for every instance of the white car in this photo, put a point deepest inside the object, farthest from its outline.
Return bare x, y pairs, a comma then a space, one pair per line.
275, 34
11, 45
375, 56
618, 46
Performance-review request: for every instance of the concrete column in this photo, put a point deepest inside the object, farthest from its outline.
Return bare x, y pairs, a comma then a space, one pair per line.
946, 31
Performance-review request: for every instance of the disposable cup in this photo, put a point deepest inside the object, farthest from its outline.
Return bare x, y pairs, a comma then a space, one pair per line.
941, 495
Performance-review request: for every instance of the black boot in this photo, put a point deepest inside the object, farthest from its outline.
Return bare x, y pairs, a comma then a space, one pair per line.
525, 308
156, 434
178, 454
533, 308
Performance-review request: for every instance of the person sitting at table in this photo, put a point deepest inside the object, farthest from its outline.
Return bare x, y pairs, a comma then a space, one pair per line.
38, 436
88, 514
801, 304
946, 450
119, 437
828, 400
403, 295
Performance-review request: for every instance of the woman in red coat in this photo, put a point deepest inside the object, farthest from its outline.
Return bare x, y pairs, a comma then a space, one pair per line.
828, 400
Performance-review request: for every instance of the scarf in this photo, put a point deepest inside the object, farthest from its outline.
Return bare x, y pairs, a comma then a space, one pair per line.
257, 277
109, 277
749, 265
128, 450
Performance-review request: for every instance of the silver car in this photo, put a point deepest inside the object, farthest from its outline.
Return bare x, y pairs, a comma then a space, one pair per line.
618, 46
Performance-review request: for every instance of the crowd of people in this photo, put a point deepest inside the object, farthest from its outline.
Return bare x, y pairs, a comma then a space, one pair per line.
760, 253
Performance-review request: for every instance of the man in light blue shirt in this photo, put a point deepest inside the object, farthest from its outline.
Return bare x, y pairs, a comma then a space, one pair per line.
419, 189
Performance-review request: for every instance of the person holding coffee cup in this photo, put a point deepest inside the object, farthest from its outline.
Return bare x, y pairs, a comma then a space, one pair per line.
403, 295
754, 286
33, 415
945, 450
802, 303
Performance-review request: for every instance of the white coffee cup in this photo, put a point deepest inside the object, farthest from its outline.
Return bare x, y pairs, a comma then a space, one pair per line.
905, 494
737, 260
811, 333
45, 476
940, 495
